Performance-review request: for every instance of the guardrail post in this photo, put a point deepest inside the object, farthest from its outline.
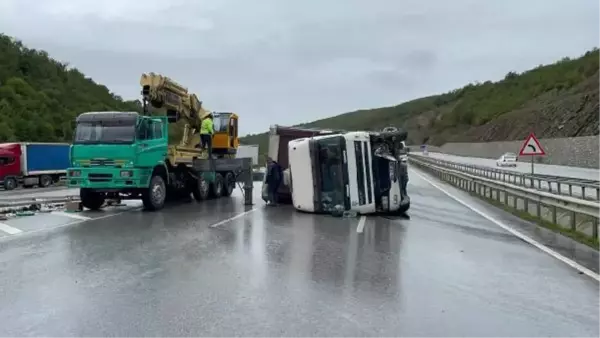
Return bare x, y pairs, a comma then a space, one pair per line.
553, 211
595, 227
573, 221
597, 194
583, 192
526, 204
538, 210
570, 190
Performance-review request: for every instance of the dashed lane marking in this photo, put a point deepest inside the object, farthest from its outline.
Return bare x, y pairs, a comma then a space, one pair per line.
70, 215
233, 218
361, 224
21, 233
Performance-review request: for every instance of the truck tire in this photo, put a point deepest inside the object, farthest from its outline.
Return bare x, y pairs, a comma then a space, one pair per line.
10, 183
216, 188
45, 181
91, 199
201, 189
229, 184
154, 196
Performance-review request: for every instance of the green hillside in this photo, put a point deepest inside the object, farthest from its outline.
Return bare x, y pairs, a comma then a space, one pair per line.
556, 100
40, 97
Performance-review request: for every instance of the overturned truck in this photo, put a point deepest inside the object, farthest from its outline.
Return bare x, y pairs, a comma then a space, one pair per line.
327, 171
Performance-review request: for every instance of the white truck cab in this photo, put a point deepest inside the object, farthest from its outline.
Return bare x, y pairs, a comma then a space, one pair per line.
347, 170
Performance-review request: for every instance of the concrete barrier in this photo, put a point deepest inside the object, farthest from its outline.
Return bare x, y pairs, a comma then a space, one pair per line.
571, 151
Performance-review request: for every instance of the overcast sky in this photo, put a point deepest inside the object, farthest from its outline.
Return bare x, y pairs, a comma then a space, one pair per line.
287, 62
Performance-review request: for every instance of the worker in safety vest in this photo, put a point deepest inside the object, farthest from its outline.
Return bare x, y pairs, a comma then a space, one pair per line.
206, 132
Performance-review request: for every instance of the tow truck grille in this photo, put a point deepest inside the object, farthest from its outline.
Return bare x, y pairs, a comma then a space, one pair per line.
102, 162
99, 177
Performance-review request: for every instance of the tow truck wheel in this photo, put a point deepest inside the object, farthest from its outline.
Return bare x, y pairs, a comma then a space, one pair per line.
45, 181
216, 188
91, 199
154, 197
200, 190
229, 184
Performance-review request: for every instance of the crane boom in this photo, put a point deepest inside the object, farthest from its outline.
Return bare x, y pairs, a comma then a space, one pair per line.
167, 97
172, 99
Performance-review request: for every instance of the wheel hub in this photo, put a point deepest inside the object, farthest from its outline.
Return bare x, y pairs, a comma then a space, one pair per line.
157, 193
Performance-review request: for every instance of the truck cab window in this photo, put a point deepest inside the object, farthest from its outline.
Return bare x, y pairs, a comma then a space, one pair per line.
143, 132
330, 161
6, 160
157, 129
99, 132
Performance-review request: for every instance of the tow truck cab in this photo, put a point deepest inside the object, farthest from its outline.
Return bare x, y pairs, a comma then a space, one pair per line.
345, 170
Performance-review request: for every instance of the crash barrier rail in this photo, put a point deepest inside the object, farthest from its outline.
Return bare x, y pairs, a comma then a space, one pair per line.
559, 185
565, 211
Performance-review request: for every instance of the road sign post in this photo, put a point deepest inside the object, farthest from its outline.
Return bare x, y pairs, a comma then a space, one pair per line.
532, 147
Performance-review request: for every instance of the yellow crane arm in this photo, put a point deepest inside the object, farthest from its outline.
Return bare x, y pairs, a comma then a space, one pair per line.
172, 99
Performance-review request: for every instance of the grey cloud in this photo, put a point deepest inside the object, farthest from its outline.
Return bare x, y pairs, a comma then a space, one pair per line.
296, 61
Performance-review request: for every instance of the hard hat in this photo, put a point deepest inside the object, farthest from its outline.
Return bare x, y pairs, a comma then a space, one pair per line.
207, 114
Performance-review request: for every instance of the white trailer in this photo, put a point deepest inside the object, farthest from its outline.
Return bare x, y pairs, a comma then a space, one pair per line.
248, 150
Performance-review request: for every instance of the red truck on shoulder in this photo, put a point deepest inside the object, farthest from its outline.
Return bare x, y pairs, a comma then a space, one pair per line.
30, 164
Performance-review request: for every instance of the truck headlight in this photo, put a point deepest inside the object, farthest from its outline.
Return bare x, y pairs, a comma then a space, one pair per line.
75, 173
126, 173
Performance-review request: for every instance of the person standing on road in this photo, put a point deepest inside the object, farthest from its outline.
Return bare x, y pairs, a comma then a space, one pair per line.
274, 178
206, 132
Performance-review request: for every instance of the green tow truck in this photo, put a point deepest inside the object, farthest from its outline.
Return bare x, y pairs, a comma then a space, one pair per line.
126, 155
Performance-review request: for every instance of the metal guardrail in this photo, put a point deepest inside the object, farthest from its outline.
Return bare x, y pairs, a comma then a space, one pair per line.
577, 214
559, 185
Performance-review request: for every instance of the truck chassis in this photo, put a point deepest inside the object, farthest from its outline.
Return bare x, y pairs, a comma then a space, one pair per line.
205, 179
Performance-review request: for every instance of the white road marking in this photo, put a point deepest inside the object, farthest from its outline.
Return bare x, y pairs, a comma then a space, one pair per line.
524, 237
70, 215
20, 233
9, 230
361, 224
233, 218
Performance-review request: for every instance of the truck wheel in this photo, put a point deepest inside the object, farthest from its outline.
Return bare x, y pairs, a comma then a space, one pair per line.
153, 198
91, 199
10, 183
200, 189
216, 188
229, 184
45, 181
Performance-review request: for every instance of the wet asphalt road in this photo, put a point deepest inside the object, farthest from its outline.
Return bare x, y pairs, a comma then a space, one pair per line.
186, 271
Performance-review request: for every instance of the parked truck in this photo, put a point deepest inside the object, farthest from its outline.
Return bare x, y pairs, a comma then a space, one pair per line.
126, 155
30, 164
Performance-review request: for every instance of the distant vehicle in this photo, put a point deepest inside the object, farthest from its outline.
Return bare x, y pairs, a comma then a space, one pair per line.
30, 163
507, 160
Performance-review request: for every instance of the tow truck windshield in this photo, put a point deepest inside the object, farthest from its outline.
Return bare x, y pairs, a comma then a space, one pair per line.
98, 133
332, 172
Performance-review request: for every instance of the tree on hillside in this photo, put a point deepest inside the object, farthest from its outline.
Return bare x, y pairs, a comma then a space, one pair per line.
40, 97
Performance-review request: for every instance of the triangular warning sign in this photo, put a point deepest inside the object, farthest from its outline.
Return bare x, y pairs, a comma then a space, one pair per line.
532, 147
